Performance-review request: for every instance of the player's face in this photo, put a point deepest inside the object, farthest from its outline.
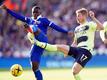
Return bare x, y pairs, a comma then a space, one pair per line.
36, 12
80, 18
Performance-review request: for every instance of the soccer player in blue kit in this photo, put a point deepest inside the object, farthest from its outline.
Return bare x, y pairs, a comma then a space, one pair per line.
39, 26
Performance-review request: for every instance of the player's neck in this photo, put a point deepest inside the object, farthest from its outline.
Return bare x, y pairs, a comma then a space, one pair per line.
39, 16
83, 22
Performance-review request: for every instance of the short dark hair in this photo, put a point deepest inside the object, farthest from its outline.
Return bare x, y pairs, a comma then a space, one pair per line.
36, 5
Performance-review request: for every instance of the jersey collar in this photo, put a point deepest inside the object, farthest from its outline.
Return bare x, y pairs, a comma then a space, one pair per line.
84, 23
40, 16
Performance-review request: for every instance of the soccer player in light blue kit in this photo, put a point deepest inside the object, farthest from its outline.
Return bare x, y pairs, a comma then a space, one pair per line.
39, 26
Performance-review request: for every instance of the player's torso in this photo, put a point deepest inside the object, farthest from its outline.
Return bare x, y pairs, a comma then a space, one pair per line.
85, 36
39, 22
41, 25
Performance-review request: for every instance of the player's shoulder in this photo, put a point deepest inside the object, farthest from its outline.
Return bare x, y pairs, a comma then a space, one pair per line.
77, 28
41, 17
44, 19
91, 23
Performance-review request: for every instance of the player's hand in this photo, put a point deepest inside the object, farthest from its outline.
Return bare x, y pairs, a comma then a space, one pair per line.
70, 33
91, 14
31, 37
3, 7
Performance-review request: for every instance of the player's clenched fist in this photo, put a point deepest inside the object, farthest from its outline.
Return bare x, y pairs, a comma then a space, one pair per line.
91, 14
3, 7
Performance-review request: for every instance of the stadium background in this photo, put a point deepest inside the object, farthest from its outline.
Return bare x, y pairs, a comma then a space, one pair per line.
14, 47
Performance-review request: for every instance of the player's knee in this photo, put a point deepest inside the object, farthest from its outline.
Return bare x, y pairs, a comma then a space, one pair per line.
35, 66
75, 71
63, 48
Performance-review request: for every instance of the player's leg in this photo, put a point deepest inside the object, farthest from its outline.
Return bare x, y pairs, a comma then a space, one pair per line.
50, 47
36, 53
63, 48
73, 51
46, 46
82, 56
37, 72
76, 69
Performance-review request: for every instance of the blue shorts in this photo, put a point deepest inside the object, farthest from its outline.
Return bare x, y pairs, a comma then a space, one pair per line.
36, 51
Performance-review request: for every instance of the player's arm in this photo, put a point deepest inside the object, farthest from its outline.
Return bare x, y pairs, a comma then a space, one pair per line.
103, 32
54, 26
58, 28
102, 36
74, 43
16, 15
99, 24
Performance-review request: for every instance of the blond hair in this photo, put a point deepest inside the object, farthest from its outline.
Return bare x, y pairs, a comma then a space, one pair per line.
83, 11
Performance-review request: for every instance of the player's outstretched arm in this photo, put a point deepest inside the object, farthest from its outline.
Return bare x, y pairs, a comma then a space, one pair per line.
16, 15
54, 26
99, 24
58, 28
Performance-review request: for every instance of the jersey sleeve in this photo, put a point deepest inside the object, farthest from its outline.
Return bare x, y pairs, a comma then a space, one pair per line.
46, 22
93, 26
20, 17
54, 26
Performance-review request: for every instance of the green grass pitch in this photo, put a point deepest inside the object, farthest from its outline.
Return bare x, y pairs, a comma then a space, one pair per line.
59, 74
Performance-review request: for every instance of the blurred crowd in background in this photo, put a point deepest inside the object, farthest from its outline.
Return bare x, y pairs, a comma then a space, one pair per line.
13, 42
